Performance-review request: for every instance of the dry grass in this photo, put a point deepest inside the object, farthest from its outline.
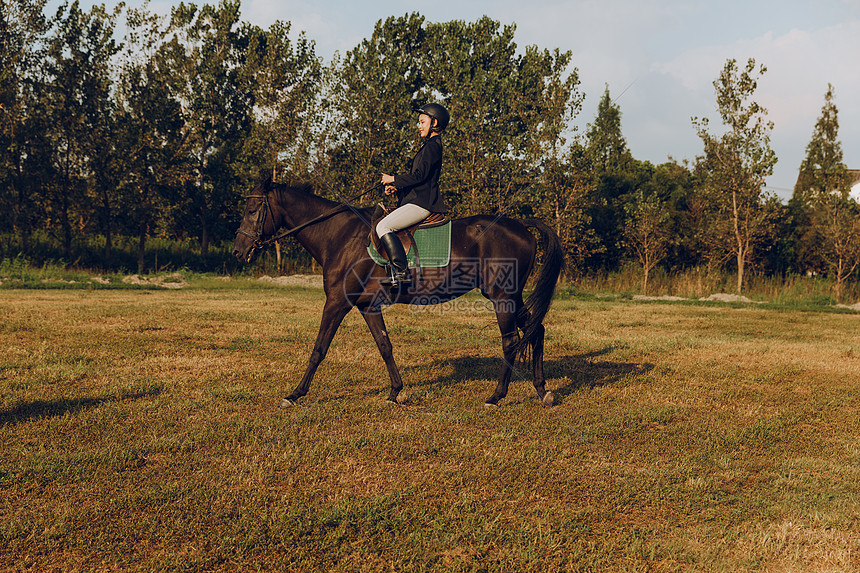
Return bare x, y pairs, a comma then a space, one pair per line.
139, 431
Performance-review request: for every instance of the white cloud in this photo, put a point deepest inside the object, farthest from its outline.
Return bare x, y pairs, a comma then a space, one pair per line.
799, 64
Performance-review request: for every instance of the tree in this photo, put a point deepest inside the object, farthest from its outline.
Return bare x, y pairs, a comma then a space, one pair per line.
217, 100
674, 184
827, 218
150, 123
616, 174
22, 29
646, 230
284, 78
822, 173
822, 170
606, 143
837, 225
75, 99
378, 85
562, 199
508, 111
98, 140
736, 165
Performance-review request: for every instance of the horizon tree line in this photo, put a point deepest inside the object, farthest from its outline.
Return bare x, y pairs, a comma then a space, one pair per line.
161, 132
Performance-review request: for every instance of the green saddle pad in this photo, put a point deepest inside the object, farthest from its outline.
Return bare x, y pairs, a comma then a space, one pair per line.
434, 248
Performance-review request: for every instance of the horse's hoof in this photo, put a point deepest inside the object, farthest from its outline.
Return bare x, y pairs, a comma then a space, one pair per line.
287, 403
490, 406
548, 400
391, 402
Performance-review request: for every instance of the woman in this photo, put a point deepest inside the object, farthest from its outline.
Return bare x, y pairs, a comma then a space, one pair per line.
417, 191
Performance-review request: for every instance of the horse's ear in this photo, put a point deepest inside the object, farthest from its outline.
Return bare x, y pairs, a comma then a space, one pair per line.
267, 180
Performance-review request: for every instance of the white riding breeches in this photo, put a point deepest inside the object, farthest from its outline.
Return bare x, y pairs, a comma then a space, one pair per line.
402, 217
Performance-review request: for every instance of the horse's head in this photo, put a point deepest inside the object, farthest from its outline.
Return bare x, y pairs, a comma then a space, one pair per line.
257, 225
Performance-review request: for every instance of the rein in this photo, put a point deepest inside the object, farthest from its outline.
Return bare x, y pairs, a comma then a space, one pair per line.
260, 243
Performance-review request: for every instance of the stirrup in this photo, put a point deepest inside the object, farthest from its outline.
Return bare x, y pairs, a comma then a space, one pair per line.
396, 278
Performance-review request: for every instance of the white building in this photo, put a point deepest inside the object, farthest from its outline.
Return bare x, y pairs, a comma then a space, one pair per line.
854, 174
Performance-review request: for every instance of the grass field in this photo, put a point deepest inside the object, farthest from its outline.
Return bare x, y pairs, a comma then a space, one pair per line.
139, 431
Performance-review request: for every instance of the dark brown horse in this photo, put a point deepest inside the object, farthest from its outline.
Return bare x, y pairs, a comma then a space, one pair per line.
493, 254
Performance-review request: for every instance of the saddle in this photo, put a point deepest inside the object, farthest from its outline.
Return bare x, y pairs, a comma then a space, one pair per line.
405, 235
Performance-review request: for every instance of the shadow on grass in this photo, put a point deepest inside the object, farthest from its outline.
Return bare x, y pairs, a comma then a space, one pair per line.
577, 371
582, 371
55, 408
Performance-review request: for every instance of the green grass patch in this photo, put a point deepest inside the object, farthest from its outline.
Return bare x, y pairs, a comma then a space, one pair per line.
140, 431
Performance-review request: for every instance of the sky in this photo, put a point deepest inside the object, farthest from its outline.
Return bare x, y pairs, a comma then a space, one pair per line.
659, 59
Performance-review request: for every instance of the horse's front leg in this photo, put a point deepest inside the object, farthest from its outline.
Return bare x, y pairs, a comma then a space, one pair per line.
334, 312
373, 317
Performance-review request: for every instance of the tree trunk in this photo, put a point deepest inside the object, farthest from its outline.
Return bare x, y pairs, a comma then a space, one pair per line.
740, 252
107, 228
840, 276
741, 261
141, 250
204, 237
66, 225
21, 219
108, 245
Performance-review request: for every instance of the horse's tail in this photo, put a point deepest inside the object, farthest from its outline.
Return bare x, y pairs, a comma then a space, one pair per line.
531, 315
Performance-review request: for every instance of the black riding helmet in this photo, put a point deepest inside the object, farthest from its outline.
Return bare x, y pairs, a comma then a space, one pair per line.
437, 112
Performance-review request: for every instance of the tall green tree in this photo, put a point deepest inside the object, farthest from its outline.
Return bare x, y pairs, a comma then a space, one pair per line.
822, 170
736, 165
284, 76
837, 228
507, 109
75, 102
673, 183
563, 200
826, 217
218, 101
473, 66
98, 140
150, 122
378, 84
22, 30
822, 173
616, 174
606, 143
647, 234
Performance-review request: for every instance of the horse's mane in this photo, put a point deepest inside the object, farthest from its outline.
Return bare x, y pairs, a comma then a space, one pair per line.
307, 188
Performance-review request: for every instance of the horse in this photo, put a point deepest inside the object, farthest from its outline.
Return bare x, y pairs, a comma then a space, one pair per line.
494, 254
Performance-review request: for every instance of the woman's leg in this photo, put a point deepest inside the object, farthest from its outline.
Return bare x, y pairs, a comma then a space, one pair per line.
402, 217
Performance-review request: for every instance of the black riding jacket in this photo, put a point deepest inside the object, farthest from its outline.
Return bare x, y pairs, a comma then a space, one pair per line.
421, 185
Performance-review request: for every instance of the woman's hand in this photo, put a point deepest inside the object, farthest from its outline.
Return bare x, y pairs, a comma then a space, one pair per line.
388, 181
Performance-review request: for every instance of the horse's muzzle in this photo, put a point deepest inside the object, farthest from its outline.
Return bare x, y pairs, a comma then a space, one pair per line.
248, 256
245, 250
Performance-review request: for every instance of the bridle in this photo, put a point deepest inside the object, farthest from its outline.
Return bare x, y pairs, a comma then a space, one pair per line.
256, 234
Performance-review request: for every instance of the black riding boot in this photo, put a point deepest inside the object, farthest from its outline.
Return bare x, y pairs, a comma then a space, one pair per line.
400, 275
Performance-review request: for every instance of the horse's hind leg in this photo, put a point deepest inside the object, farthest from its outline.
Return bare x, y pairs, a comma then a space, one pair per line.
537, 345
537, 369
376, 324
507, 320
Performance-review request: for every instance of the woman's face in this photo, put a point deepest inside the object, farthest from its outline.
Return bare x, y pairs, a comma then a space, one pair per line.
425, 122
